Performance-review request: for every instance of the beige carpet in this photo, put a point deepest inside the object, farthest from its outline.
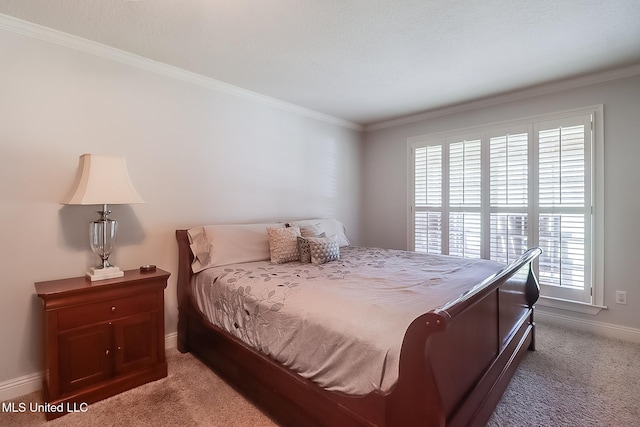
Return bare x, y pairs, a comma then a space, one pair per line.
573, 379
191, 395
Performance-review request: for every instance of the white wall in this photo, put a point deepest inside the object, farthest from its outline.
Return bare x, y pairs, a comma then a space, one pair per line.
385, 181
196, 155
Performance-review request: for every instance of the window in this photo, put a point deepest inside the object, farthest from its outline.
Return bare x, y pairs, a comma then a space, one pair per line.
494, 192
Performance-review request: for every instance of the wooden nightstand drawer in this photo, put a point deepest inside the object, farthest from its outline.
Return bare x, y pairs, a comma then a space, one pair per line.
73, 317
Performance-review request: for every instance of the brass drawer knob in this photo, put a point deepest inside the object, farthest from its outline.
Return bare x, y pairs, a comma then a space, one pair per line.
113, 309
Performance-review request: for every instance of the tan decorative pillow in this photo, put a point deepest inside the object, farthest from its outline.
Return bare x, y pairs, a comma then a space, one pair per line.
304, 247
283, 244
323, 249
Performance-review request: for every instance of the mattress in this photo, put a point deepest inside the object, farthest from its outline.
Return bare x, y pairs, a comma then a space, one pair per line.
339, 324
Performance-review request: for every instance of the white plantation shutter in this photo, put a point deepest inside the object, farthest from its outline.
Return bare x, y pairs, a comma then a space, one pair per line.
428, 172
428, 178
509, 170
508, 195
465, 198
464, 234
561, 166
509, 236
498, 192
562, 239
564, 207
465, 173
428, 232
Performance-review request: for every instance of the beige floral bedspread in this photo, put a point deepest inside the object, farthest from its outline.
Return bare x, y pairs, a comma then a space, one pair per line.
340, 324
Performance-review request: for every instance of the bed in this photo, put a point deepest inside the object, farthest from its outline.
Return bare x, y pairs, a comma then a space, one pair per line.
453, 360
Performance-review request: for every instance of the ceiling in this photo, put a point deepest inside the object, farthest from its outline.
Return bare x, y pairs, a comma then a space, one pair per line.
364, 61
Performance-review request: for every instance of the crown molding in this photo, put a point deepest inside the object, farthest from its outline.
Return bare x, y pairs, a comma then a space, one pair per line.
60, 38
542, 89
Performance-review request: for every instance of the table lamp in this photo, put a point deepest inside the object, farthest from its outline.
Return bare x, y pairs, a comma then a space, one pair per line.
103, 181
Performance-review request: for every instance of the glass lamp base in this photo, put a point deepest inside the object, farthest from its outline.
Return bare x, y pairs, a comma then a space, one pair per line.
100, 273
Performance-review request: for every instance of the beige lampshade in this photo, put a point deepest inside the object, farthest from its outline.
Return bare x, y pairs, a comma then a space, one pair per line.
102, 180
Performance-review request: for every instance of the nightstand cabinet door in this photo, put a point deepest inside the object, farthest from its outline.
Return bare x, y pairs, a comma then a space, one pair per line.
84, 357
135, 343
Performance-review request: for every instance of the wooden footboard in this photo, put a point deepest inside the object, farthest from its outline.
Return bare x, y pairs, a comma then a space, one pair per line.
455, 362
467, 351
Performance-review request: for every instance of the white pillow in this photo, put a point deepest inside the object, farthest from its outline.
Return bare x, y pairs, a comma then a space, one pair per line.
329, 225
215, 245
310, 230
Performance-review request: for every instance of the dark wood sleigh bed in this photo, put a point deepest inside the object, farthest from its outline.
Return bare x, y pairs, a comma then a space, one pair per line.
455, 362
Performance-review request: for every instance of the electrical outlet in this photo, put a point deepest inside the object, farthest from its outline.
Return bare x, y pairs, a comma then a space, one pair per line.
621, 297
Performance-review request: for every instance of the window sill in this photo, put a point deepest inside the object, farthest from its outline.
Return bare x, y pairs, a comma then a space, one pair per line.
564, 304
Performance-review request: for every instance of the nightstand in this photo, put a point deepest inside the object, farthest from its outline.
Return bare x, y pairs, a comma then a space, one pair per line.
101, 338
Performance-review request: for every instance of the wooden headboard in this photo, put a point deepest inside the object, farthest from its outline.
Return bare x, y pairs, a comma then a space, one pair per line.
184, 290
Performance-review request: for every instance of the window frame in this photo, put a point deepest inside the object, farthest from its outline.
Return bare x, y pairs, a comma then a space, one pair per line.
594, 174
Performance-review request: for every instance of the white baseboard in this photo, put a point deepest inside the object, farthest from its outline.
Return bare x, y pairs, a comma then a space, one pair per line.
599, 328
171, 340
33, 382
20, 386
